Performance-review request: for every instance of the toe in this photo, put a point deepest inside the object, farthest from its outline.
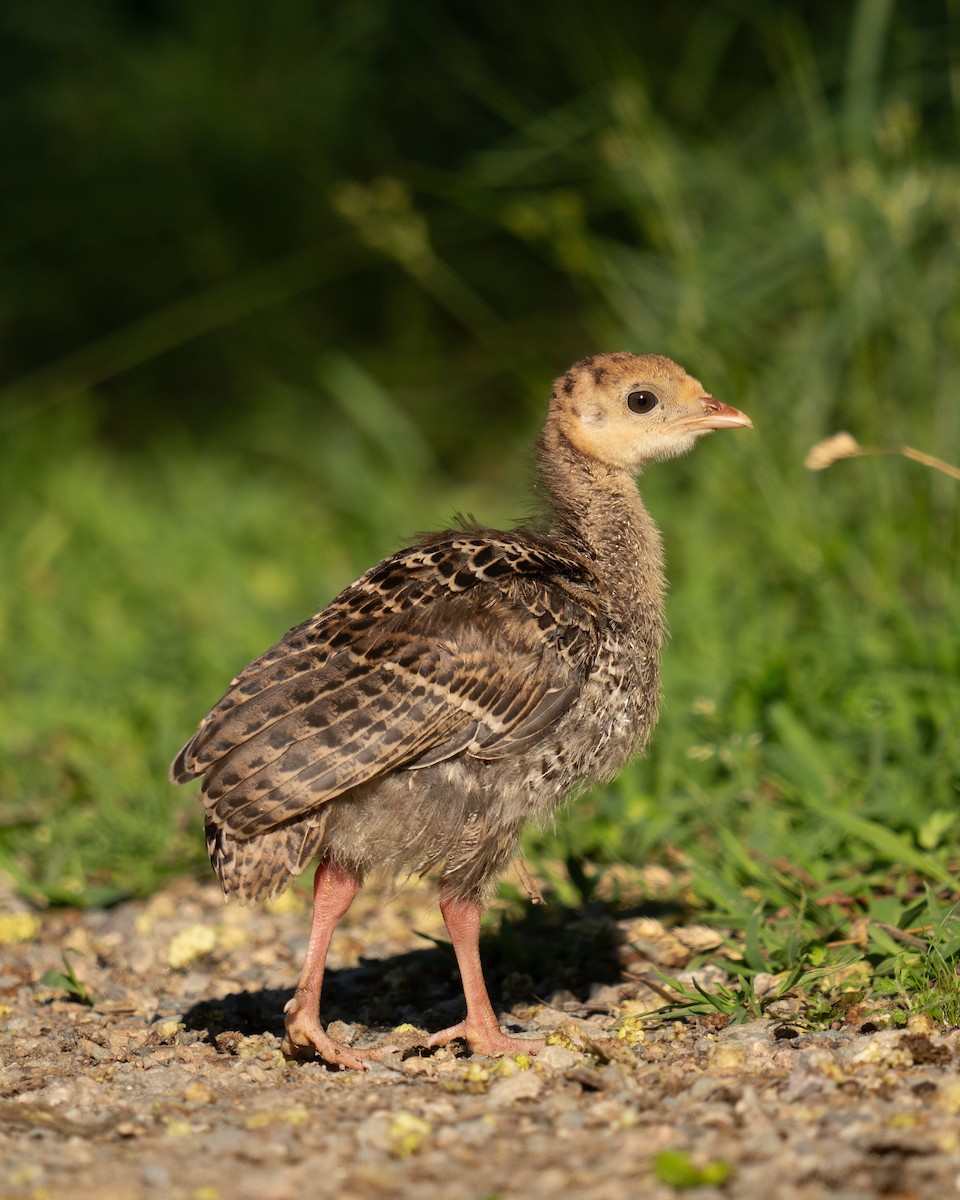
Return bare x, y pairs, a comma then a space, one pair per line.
482, 1040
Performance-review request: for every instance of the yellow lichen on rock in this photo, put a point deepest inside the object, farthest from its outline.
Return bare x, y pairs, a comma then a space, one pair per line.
407, 1134
198, 1092
190, 944
18, 927
632, 1031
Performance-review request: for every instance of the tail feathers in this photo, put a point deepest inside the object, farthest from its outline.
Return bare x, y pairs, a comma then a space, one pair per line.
263, 867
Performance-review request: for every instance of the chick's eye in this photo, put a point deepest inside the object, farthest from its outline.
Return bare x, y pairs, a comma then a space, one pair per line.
642, 402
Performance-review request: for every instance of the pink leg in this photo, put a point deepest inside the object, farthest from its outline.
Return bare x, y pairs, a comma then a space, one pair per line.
333, 893
481, 1029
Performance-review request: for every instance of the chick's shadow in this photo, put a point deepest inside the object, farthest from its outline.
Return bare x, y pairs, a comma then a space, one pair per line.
552, 954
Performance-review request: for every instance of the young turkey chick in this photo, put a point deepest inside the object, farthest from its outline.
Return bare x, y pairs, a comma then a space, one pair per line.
456, 690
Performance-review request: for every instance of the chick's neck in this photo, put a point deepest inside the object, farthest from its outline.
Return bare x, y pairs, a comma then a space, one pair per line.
597, 508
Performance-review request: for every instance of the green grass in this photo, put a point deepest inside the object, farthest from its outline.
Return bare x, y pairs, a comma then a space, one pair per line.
801, 258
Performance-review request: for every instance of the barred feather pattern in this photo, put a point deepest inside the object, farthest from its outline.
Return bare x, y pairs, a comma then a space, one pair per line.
461, 687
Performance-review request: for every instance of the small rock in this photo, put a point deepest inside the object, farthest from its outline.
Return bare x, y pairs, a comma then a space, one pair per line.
726, 1058
705, 1087
947, 1099
559, 1058
526, 1085
751, 1032
418, 1067
155, 1175
571, 1121
922, 1050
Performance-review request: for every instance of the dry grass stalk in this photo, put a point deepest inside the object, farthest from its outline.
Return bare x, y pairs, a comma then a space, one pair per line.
844, 445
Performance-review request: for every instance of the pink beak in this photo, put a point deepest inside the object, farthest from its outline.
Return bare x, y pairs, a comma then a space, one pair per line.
717, 415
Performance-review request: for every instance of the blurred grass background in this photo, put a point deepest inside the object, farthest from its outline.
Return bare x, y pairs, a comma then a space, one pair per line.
286, 283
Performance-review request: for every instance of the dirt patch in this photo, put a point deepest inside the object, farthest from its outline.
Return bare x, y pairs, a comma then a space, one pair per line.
172, 1083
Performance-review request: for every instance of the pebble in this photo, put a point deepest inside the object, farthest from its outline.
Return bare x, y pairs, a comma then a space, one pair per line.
156, 1176
559, 1058
527, 1085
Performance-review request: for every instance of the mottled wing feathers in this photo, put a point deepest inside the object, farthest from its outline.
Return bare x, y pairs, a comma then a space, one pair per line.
465, 643
442, 566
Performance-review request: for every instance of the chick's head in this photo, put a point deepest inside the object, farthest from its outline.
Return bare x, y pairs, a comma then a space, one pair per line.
627, 410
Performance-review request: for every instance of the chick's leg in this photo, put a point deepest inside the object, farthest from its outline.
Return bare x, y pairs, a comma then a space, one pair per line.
333, 891
481, 1029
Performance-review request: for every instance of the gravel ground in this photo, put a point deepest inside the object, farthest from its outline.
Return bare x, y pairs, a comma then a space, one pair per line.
171, 1083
